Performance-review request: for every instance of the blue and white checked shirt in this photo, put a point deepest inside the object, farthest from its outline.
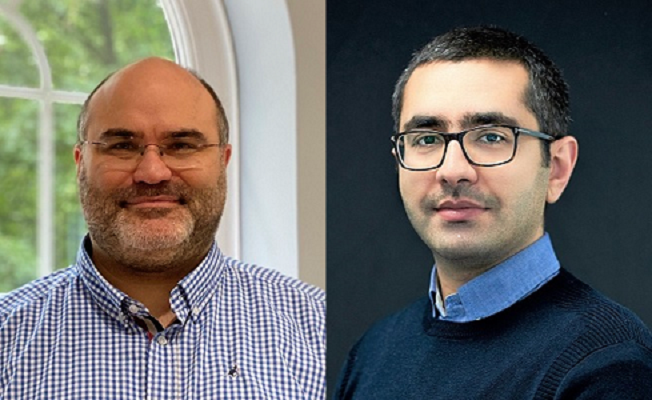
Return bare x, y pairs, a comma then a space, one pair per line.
500, 287
243, 332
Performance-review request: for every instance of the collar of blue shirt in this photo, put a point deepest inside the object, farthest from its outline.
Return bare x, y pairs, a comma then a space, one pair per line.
500, 287
187, 299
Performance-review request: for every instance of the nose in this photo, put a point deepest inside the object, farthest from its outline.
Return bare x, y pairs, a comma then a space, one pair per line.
151, 168
456, 168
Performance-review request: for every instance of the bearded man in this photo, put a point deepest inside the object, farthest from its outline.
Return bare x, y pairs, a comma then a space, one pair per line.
152, 308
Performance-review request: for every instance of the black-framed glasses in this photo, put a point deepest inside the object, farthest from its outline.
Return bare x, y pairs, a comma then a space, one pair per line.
177, 153
485, 146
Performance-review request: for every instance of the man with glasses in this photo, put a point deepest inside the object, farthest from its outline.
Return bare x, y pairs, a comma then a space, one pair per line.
152, 308
482, 146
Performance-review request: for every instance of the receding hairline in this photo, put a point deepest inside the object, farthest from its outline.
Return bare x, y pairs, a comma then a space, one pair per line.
84, 115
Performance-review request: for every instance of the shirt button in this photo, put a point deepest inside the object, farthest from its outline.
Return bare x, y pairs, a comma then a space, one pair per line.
195, 311
162, 340
134, 309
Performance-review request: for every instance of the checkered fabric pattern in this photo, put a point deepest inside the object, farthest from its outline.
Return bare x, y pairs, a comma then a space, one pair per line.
243, 332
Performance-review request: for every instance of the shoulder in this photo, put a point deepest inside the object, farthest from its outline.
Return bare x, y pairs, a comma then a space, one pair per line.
598, 318
394, 331
274, 280
621, 370
608, 348
278, 289
406, 320
35, 294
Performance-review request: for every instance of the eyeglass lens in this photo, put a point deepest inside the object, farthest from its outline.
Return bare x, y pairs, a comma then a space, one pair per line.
483, 146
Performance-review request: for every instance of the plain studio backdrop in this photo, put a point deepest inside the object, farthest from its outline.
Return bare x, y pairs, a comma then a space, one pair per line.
602, 226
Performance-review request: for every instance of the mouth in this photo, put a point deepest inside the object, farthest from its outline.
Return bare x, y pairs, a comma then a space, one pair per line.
459, 210
162, 201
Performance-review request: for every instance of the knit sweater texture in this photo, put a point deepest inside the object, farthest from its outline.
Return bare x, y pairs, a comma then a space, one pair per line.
564, 341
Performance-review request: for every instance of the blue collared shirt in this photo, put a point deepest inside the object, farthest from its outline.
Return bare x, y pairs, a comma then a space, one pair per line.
500, 287
242, 332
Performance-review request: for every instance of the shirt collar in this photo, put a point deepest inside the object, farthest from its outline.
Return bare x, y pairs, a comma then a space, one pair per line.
499, 287
188, 297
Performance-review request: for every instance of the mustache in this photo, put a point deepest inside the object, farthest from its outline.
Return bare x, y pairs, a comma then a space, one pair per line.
122, 195
459, 192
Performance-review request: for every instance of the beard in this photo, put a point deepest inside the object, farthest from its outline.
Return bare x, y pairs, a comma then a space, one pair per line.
155, 239
470, 245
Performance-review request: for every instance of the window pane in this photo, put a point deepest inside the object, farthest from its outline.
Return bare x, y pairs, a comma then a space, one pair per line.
87, 39
18, 191
69, 225
17, 67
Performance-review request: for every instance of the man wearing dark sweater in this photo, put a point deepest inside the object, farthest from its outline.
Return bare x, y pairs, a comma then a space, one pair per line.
483, 145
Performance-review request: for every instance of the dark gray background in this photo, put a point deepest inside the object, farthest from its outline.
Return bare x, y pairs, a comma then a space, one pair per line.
600, 227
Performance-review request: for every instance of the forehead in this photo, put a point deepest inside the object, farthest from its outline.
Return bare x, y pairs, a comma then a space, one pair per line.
153, 100
451, 91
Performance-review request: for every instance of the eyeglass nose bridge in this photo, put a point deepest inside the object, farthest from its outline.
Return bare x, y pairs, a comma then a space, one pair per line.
459, 138
143, 149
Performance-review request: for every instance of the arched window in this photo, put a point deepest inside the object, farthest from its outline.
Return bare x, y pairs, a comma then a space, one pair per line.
53, 53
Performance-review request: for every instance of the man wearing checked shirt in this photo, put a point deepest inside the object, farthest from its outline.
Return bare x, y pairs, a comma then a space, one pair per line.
152, 309
482, 145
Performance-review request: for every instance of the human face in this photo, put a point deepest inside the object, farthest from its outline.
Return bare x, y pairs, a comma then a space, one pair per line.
473, 216
152, 216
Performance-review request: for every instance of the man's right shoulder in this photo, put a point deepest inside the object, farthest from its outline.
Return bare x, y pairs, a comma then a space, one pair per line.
406, 322
33, 295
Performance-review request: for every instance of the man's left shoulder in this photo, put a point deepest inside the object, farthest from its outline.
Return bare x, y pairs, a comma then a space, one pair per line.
603, 316
268, 281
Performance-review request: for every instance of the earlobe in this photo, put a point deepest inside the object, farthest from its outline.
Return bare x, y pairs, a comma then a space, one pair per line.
563, 156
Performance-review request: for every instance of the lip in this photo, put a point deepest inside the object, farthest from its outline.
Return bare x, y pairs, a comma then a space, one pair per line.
153, 202
459, 210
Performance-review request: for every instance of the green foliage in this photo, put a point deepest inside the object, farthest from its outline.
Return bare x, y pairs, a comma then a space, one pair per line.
84, 41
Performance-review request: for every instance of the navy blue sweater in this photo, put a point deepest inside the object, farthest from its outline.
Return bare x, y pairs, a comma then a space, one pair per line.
565, 341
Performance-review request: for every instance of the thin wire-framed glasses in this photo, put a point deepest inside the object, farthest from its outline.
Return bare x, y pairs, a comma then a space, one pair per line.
485, 146
125, 153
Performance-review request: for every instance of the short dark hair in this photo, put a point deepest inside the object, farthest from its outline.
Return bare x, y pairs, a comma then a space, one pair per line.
222, 121
547, 91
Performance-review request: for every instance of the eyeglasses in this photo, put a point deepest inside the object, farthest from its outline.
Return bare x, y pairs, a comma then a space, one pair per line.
486, 146
177, 153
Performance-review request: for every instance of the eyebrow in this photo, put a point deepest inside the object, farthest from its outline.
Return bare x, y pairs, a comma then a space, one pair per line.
118, 132
425, 122
490, 118
129, 134
469, 120
186, 133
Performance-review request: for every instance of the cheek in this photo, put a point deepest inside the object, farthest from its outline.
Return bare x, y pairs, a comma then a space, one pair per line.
102, 177
415, 185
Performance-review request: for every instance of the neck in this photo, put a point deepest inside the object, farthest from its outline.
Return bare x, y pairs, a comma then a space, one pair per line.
454, 273
150, 287
451, 277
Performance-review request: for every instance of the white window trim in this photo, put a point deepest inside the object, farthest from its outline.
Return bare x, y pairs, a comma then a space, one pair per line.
245, 49
202, 41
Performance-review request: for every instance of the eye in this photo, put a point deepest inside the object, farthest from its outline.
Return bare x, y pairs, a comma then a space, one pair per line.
122, 146
491, 137
422, 140
182, 146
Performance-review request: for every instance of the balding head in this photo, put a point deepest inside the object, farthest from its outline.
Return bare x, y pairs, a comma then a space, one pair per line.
156, 75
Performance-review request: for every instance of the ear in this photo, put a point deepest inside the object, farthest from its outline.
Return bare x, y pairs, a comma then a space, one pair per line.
563, 156
226, 154
397, 165
77, 153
